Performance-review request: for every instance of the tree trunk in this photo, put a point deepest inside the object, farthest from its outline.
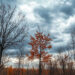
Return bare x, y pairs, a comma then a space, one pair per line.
73, 43
40, 69
1, 50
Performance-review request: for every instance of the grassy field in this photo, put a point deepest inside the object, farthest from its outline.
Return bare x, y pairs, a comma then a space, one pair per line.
22, 71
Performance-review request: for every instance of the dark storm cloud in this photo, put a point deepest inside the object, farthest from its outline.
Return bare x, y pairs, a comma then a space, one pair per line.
43, 13
53, 37
61, 48
70, 29
46, 14
58, 40
67, 10
11, 52
12, 3
73, 3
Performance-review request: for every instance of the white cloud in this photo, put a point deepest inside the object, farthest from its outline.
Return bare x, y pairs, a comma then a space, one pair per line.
57, 10
59, 19
71, 20
28, 9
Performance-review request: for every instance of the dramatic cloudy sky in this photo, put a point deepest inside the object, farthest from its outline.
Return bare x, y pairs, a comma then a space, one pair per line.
56, 17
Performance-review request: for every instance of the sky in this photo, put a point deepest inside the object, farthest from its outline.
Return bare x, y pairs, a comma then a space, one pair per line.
56, 17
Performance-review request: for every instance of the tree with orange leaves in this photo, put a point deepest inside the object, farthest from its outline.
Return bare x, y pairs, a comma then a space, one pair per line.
39, 44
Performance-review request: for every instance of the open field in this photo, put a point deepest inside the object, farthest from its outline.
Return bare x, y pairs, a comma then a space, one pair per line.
22, 71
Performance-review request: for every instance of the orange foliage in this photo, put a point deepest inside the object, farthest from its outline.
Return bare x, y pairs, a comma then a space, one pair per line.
39, 44
22, 71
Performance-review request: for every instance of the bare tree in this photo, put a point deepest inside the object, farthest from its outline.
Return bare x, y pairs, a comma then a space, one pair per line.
73, 43
12, 31
21, 58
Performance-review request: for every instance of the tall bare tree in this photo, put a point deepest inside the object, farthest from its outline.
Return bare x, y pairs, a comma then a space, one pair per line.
21, 58
73, 43
12, 31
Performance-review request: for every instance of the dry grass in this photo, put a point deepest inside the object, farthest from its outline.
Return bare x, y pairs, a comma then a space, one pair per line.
22, 71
